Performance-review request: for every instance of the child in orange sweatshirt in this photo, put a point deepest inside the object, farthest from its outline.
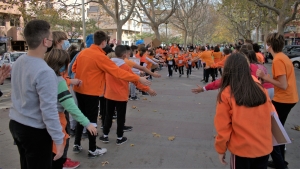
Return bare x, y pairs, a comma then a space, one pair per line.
116, 94
243, 117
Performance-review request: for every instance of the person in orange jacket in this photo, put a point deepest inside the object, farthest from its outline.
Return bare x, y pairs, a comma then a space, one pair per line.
170, 64
90, 66
217, 58
188, 64
116, 94
180, 61
226, 53
243, 117
206, 57
174, 49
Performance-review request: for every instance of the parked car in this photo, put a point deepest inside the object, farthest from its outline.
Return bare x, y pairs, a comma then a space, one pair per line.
293, 52
10, 57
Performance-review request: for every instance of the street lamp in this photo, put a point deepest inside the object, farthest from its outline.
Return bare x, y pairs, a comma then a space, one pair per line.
166, 30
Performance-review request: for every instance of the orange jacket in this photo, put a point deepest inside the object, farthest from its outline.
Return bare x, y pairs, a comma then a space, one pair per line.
91, 66
174, 50
245, 131
217, 56
117, 89
220, 64
207, 58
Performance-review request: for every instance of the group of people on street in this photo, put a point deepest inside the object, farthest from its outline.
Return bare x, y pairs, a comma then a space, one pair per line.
59, 91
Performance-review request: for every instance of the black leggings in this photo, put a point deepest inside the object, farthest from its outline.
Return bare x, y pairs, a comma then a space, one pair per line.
209, 71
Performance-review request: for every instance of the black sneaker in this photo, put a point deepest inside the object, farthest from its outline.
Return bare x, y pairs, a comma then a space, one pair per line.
84, 135
145, 93
123, 140
272, 165
127, 128
77, 149
134, 98
104, 139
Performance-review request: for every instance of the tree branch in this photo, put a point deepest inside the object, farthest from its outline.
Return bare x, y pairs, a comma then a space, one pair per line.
260, 4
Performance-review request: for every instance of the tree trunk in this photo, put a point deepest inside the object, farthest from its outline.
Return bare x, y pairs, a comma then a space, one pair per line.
257, 34
280, 24
119, 33
155, 30
185, 39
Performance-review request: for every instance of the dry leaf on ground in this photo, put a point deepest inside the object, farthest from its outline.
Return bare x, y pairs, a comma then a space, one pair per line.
171, 138
131, 145
134, 107
156, 135
105, 162
296, 127
154, 110
145, 98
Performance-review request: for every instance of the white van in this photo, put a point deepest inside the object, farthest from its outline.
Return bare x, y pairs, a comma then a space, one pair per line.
10, 57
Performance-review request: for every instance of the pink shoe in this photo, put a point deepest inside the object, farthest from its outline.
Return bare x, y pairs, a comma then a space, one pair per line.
69, 164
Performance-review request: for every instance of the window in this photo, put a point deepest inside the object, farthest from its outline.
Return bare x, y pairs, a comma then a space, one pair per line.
14, 21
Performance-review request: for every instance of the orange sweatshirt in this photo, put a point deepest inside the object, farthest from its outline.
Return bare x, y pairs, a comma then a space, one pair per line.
117, 89
220, 64
217, 56
91, 66
245, 131
207, 58
174, 50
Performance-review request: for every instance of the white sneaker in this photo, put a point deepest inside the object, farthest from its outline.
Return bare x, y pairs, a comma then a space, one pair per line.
98, 152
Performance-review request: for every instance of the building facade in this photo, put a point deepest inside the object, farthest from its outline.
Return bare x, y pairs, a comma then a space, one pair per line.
11, 28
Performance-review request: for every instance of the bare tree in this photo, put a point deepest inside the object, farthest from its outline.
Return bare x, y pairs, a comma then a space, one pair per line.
189, 16
120, 11
286, 10
157, 12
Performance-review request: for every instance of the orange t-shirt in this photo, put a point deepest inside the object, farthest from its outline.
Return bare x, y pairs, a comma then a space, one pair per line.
260, 58
245, 131
117, 89
206, 57
180, 61
282, 65
217, 56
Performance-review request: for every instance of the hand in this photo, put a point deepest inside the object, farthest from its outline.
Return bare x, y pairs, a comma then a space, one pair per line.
151, 92
198, 90
92, 129
144, 81
222, 158
260, 73
76, 82
4, 72
156, 75
59, 151
206, 67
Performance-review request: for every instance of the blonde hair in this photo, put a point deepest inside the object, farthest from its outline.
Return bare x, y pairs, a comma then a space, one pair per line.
56, 59
58, 36
111, 55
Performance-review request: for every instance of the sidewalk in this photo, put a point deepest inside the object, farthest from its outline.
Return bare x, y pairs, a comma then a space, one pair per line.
175, 111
